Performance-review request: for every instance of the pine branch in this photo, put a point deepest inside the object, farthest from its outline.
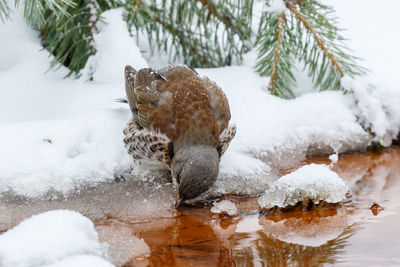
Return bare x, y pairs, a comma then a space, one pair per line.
4, 10
309, 36
34, 10
272, 82
191, 30
319, 41
204, 33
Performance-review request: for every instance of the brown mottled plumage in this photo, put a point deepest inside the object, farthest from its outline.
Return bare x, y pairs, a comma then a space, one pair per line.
179, 120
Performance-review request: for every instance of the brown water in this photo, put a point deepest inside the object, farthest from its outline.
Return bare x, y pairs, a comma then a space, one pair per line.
354, 235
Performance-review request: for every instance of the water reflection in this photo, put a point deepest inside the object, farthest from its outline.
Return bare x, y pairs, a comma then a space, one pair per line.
303, 238
189, 241
298, 238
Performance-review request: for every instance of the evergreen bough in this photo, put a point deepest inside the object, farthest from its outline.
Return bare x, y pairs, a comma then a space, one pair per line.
204, 33
303, 31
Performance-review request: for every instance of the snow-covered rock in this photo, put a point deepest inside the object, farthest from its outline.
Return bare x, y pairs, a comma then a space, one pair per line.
316, 182
53, 238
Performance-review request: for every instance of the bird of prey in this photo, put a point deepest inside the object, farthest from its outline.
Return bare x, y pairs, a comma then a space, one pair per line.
180, 122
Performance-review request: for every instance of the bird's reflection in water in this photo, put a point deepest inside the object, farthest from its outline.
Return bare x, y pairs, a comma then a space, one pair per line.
189, 241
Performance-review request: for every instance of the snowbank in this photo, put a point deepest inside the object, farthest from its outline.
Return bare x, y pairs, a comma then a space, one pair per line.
58, 134
313, 181
55, 238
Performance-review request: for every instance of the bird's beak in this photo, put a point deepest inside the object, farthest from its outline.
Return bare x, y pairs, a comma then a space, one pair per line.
178, 201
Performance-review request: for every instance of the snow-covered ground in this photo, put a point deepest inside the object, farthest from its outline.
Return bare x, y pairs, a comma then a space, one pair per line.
61, 134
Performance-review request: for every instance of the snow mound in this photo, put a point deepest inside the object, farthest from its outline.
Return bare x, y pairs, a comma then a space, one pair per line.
53, 237
225, 206
276, 7
313, 181
115, 48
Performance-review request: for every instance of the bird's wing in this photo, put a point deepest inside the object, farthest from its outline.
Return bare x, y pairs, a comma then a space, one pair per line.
145, 144
219, 104
226, 138
130, 74
143, 89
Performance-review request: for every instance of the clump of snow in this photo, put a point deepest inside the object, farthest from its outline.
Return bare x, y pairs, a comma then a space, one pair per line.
334, 159
122, 245
49, 238
115, 49
313, 181
276, 6
225, 207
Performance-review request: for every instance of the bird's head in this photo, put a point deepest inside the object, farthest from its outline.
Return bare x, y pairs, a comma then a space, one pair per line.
195, 169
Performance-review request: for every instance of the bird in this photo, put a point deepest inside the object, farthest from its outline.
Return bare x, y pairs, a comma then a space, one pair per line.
180, 122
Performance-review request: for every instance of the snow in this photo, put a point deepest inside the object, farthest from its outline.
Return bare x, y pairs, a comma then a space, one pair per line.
64, 136
84, 125
376, 109
55, 238
82, 261
276, 6
313, 181
115, 50
225, 207
334, 158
